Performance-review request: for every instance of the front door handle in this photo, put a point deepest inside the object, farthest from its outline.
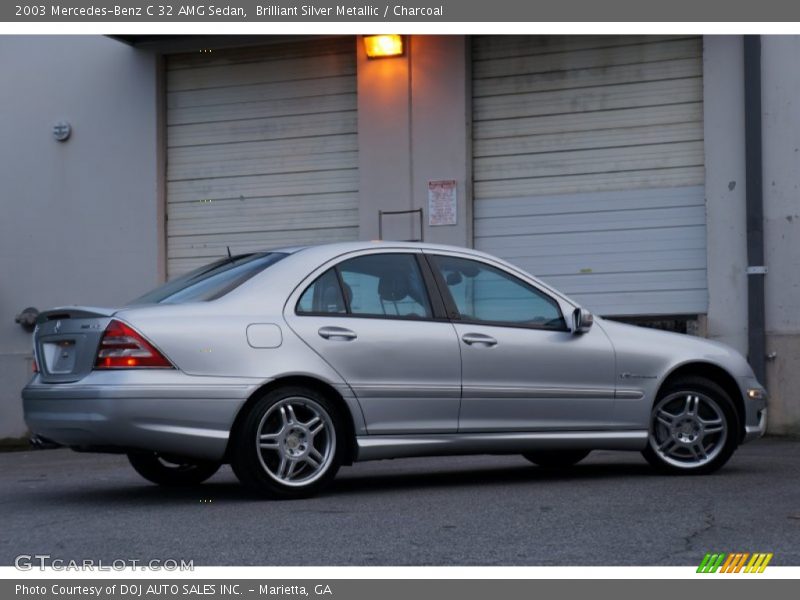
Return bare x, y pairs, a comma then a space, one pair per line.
337, 334
478, 338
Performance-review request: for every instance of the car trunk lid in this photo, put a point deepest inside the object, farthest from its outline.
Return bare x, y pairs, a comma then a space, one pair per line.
66, 339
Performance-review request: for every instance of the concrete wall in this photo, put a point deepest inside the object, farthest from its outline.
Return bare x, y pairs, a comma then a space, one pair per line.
725, 202
781, 139
384, 141
78, 219
414, 127
723, 114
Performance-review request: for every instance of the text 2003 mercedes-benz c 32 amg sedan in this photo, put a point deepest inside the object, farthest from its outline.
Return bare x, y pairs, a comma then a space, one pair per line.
290, 363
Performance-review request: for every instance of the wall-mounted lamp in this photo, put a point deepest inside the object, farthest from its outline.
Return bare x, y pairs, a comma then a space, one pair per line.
27, 318
383, 46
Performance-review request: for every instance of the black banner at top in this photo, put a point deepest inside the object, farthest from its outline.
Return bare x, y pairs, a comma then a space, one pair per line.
341, 11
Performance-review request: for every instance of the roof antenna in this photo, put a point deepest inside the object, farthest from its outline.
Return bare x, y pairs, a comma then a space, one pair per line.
229, 251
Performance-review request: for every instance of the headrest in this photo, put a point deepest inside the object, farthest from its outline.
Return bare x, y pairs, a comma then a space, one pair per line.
468, 269
454, 278
393, 286
331, 300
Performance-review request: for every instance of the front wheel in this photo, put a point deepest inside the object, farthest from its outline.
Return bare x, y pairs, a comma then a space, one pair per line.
170, 471
289, 444
693, 428
556, 459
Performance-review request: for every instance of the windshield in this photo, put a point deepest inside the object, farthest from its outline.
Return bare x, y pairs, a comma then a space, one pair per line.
211, 281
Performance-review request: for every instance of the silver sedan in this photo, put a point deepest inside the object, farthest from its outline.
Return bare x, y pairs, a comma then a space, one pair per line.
290, 363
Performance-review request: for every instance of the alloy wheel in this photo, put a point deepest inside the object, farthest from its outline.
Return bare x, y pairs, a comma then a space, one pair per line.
688, 429
295, 441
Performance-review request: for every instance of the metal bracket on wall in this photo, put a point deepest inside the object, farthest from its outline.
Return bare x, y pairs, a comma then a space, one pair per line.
758, 270
383, 213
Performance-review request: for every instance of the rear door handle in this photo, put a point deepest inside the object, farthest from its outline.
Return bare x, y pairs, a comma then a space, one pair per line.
478, 338
337, 334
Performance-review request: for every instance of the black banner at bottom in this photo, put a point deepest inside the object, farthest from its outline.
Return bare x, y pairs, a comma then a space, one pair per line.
729, 588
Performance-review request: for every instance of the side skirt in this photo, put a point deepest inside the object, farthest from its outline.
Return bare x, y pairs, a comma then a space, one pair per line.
376, 447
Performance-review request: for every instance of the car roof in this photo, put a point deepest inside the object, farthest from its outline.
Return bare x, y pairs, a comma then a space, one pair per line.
342, 247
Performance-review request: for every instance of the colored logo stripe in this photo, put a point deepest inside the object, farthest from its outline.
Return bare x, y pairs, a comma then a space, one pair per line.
734, 562
732, 559
710, 563
758, 563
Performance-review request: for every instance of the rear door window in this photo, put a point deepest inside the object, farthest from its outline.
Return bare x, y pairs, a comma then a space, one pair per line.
323, 297
374, 285
385, 285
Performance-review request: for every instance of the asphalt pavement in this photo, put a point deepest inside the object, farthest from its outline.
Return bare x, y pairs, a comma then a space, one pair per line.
611, 509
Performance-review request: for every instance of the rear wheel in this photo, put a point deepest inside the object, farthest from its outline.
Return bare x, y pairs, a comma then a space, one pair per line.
171, 471
289, 444
556, 459
693, 428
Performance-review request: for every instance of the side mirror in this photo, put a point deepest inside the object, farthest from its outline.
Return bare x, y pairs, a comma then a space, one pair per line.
582, 320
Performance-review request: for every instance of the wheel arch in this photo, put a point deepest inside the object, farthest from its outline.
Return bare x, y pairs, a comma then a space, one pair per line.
714, 373
314, 383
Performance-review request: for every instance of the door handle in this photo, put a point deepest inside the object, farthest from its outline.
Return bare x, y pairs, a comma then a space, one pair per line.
478, 338
337, 334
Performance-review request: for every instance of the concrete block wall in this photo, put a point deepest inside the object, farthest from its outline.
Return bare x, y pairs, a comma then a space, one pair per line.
78, 219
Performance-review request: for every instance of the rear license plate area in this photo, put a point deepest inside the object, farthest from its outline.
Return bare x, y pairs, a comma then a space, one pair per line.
59, 356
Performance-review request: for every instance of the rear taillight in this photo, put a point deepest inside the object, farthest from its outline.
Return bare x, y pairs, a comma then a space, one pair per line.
34, 362
124, 348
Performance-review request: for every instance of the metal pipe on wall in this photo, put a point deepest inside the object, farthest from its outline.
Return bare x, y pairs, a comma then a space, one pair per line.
756, 269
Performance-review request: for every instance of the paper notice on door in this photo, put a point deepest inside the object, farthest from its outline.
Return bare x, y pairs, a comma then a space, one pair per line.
442, 203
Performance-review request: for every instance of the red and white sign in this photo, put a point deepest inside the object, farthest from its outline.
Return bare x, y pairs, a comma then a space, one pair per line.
442, 203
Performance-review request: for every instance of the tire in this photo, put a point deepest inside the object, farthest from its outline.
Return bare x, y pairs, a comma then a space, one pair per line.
171, 472
693, 428
556, 459
289, 444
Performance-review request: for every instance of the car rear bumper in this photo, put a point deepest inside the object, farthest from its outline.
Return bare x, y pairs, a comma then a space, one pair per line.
119, 411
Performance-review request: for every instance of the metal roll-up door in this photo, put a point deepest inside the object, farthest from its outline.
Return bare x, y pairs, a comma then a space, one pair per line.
588, 166
261, 149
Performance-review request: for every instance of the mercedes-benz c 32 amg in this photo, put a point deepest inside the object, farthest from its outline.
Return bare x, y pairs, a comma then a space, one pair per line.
290, 363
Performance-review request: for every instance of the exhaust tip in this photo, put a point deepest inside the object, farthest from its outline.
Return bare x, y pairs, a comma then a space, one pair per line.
42, 443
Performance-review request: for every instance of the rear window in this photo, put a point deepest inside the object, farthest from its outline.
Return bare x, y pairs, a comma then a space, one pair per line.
211, 281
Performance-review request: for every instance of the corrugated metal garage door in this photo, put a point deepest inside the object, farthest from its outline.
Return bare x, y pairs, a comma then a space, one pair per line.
588, 166
261, 149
